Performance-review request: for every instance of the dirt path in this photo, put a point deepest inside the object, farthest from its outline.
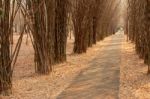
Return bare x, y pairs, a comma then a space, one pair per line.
101, 79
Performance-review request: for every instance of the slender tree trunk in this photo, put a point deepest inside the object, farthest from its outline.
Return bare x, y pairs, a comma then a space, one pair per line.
148, 31
94, 30
5, 66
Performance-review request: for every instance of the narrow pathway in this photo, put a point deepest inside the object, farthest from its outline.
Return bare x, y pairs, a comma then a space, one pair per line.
101, 79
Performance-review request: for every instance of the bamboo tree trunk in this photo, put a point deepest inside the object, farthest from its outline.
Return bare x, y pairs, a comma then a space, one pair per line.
148, 31
5, 66
94, 30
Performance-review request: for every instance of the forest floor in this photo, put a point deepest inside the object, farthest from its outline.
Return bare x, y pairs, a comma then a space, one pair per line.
93, 75
29, 85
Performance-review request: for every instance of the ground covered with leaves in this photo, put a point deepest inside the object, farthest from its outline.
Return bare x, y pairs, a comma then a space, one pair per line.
134, 81
29, 85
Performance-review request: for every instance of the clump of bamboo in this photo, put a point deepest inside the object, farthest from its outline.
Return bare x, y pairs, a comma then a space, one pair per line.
41, 16
8, 10
79, 23
48, 22
93, 21
138, 27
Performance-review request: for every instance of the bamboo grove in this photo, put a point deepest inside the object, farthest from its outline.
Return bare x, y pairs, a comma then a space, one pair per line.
138, 27
46, 21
